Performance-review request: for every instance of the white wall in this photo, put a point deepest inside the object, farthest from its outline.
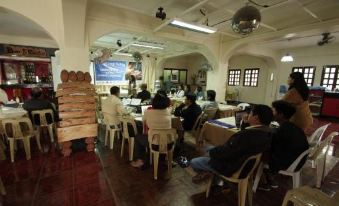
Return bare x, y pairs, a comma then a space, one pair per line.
191, 62
309, 56
250, 94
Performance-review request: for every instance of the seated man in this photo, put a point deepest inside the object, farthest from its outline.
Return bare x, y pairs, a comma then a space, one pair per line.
38, 103
210, 103
112, 107
228, 158
3, 97
189, 110
288, 142
144, 94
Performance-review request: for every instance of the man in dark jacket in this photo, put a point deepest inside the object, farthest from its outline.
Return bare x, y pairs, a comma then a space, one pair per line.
288, 141
228, 158
190, 111
38, 103
144, 94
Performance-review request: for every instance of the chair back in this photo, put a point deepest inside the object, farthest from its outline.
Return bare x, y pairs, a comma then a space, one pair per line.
243, 106
11, 128
248, 167
128, 121
292, 168
318, 149
317, 134
197, 124
162, 137
42, 114
210, 113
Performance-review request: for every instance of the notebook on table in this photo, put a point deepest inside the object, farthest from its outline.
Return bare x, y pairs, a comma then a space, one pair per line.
135, 102
126, 101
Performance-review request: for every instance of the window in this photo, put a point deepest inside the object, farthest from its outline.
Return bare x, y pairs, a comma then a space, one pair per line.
309, 73
251, 77
329, 77
234, 77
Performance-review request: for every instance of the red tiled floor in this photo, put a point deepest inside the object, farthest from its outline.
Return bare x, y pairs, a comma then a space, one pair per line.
60, 198
86, 173
21, 193
55, 183
57, 165
92, 193
83, 158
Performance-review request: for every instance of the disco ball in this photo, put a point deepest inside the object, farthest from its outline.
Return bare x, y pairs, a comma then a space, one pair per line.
245, 20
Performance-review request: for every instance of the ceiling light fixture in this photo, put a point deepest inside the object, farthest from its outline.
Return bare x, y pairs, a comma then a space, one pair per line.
147, 46
287, 58
245, 20
123, 54
193, 26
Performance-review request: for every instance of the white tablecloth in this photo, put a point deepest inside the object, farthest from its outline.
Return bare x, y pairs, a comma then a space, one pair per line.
9, 112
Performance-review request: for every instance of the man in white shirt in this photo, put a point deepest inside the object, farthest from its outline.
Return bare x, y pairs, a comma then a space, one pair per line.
112, 107
3, 97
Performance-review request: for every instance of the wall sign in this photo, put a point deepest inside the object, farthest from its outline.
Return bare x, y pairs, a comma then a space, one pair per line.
25, 51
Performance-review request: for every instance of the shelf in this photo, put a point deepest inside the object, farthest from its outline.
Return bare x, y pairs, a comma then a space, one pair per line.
25, 85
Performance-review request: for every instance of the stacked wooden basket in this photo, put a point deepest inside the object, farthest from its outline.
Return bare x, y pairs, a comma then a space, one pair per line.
76, 100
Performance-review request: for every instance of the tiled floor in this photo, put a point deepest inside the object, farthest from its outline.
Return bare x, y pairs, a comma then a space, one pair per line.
103, 178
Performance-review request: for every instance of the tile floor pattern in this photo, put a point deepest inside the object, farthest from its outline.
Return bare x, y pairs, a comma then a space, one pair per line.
103, 178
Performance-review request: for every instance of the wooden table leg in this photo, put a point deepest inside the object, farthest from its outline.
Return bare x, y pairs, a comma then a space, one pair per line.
66, 149
90, 144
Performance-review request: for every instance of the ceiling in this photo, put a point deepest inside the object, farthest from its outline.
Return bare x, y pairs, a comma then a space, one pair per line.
12, 23
279, 16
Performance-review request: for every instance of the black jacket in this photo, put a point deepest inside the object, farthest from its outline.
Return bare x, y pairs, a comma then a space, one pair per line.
39, 104
228, 158
288, 142
144, 95
190, 115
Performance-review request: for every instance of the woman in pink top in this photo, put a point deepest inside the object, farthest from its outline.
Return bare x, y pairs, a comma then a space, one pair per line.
158, 117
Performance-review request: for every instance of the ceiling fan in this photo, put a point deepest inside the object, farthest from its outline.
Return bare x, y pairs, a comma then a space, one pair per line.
326, 38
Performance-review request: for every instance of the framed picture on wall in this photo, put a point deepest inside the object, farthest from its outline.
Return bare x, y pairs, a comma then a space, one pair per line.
175, 76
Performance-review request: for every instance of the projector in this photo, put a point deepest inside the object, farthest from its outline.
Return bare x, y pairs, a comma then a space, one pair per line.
160, 14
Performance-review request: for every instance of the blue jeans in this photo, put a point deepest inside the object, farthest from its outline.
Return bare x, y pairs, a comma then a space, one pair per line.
200, 164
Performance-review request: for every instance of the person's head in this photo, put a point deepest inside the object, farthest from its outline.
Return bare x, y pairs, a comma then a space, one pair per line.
115, 91
36, 93
181, 87
199, 89
296, 80
161, 78
163, 92
282, 110
160, 101
187, 88
143, 86
211, 95
190, 99
260, 115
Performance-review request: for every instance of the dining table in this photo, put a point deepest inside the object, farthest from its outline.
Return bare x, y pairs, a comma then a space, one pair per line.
217, 132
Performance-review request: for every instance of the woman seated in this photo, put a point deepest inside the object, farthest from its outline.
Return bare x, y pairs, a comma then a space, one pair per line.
156, 117
199, 93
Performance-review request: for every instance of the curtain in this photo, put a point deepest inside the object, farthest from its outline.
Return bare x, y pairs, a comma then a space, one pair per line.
148, 69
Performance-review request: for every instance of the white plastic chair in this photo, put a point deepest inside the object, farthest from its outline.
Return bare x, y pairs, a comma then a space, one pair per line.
315, 138
126, 136
17, 133
112, 130
244, 183
242, 106
306, 196
291, 171
43, 121
163, 138
319, 156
